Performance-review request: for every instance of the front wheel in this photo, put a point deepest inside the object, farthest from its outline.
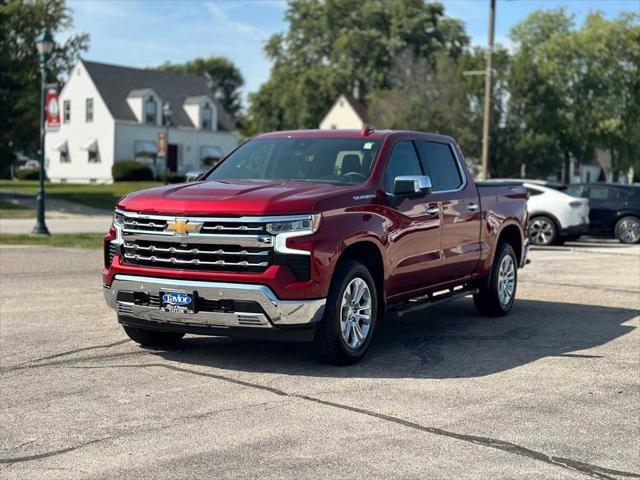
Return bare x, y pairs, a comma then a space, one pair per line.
496, 298
628, 229
345, 332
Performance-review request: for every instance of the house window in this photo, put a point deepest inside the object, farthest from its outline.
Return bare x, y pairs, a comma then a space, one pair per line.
206, 117
66, 111
93, 155
64, 156
150, 110
89, 110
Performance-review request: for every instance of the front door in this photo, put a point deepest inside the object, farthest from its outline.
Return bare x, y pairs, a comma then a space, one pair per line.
459, 203
172, 158
414, 233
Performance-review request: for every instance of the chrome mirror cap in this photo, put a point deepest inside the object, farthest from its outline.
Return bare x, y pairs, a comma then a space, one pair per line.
412, 184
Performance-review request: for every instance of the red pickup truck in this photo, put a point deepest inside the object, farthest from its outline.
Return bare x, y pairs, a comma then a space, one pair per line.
314, 235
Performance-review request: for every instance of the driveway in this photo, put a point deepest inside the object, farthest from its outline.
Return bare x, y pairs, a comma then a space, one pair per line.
552, 391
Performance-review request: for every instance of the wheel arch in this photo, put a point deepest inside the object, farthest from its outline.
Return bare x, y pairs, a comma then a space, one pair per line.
513, 235
370, 255
555, 220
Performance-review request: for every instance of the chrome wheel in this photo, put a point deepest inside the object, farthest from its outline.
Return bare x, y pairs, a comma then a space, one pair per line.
628, 230
541, 231
355, 308
506, 280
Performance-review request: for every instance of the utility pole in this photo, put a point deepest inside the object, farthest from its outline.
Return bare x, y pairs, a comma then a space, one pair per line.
487, 93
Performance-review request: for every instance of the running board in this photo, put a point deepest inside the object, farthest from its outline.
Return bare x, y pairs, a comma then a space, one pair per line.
436, 298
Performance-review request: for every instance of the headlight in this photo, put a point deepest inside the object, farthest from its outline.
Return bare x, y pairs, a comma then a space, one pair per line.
296, 227
303, 226
118, 219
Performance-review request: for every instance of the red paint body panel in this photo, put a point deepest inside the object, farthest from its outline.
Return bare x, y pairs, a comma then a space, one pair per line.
420, 253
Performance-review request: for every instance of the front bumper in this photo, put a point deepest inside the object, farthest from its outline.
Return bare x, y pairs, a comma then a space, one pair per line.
226, 305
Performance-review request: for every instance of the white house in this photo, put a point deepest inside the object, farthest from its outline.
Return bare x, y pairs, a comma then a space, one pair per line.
348, 112
111, 113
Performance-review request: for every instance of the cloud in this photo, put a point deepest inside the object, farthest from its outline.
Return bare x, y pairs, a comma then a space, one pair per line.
246, 29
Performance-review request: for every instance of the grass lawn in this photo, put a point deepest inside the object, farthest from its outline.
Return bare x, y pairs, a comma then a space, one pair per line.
11, 210
75, 240
97, 196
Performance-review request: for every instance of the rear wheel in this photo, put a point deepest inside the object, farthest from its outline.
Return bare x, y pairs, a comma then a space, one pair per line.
628, 229
496, 298
542, 231
153, 338
345, 332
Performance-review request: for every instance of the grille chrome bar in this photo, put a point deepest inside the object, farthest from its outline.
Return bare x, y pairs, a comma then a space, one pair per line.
194, 251
199, 238
194, 261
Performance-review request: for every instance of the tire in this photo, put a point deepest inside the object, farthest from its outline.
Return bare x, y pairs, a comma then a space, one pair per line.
153, 338
542, 230
489, 301
628, 229
330, 344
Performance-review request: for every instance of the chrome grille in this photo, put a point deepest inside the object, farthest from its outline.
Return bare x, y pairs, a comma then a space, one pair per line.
215, 244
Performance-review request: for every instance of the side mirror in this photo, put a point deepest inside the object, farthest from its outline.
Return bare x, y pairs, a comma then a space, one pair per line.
412, 185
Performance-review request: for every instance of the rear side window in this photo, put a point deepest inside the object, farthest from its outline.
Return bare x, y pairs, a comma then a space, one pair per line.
440, 164
403, 161
598, 193
533, 191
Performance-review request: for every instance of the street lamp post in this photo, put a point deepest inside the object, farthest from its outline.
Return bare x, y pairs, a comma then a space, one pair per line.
487, 92
44, 44
166, 119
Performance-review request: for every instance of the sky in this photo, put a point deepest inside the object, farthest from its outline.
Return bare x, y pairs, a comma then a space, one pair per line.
144, 33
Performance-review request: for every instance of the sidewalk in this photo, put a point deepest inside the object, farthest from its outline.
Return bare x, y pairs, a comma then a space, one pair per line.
59, 224
62, 216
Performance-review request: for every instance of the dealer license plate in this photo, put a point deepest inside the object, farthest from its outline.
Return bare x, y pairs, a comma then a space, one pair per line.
177, 301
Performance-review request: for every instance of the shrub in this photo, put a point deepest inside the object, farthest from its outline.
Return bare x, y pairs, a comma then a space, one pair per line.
130, 170
28, 174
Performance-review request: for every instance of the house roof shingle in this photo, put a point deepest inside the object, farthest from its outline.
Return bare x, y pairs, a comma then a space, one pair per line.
116, 83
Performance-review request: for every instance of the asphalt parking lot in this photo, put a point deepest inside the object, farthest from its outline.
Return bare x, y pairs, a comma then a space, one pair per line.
552, 391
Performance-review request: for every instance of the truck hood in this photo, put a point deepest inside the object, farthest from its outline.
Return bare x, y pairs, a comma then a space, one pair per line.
232, 198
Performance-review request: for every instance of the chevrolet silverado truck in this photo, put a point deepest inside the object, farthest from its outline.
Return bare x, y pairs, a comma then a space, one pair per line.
314, 235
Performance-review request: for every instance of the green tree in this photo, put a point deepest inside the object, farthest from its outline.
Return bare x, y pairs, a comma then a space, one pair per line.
573, 91
21, 21
330, 44
225, 79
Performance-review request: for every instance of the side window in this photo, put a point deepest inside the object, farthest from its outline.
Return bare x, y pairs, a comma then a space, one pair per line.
533, 191
441, 166
403, 161
576, 190
598, 193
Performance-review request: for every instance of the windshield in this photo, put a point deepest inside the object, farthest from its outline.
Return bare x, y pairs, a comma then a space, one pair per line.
334, 160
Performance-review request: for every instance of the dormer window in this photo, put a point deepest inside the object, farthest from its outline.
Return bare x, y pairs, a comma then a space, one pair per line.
206, 117
150, 110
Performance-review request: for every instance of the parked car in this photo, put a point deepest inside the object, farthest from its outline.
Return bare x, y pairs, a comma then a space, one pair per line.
554, 215
615, 209
314, 235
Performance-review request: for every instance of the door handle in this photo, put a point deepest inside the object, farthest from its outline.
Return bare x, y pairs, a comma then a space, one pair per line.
432, 211
473, 207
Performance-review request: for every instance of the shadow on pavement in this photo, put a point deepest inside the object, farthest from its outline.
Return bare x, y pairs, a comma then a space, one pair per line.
448, 341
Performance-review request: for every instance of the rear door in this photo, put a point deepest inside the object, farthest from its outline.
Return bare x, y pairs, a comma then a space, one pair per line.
413, 233
602, 206
459, 204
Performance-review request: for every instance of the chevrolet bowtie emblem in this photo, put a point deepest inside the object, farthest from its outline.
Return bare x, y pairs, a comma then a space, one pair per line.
182, 226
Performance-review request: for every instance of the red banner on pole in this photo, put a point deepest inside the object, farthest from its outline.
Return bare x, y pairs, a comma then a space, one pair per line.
52, 107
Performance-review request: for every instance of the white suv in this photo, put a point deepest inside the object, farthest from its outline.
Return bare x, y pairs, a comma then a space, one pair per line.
554, 216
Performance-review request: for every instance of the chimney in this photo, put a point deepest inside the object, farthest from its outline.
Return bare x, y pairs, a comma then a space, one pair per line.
356, 89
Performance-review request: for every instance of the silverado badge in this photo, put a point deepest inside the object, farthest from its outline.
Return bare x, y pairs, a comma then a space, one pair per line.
182, 226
